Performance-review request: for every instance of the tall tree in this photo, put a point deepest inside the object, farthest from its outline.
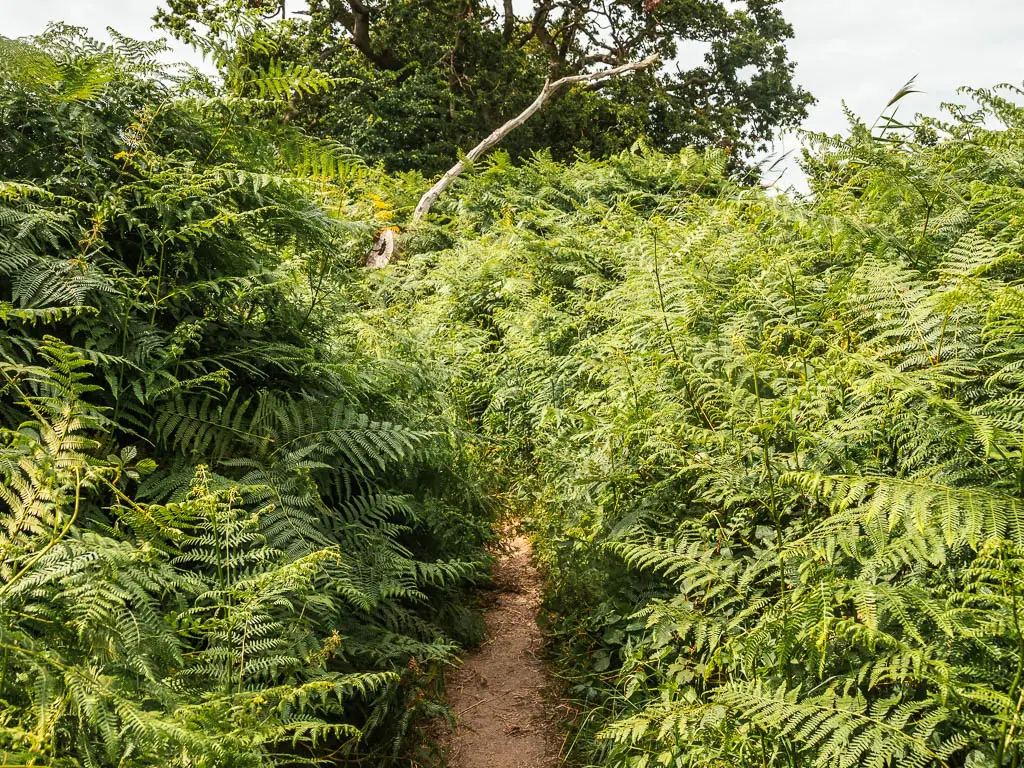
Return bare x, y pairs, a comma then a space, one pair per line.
419, 79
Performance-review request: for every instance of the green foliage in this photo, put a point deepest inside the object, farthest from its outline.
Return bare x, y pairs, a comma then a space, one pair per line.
771, 447
418, 82
231, 533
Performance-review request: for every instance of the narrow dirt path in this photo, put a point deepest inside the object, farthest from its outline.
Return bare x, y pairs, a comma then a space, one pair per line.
497, 695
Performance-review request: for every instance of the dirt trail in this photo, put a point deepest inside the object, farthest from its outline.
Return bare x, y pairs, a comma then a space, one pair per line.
497, 694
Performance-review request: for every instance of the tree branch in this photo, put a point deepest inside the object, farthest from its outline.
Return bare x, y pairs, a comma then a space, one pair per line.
356, 19
509, 22
386, 246
539, 29
549, 89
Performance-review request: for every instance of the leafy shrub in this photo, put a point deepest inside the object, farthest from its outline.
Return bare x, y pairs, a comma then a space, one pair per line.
232, 534
771, 447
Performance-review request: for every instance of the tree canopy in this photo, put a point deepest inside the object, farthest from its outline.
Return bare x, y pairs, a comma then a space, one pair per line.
419, 80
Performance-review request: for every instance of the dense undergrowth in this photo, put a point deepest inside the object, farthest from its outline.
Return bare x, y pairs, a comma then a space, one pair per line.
771, 448
232, 535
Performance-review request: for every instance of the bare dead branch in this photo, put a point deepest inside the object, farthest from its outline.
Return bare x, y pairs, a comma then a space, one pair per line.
383, 249
386, 247
549, 89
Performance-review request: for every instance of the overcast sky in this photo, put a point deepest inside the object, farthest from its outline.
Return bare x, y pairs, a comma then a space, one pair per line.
858, 50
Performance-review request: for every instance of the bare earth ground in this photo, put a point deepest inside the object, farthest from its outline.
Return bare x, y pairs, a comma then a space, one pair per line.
497, 695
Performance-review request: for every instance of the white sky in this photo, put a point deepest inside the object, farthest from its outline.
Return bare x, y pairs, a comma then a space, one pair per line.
863, 51
858, 50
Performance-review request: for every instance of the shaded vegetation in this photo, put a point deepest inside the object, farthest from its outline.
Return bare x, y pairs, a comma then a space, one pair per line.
232, 535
